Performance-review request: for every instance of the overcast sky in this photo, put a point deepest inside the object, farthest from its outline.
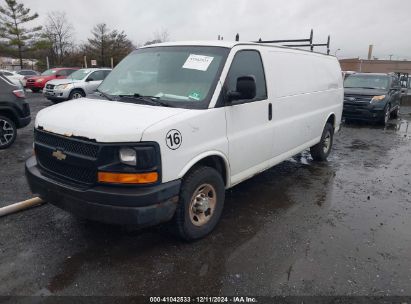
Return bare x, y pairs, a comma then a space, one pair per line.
352, 24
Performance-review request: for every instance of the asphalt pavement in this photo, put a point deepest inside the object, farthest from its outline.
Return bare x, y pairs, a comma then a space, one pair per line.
301, 228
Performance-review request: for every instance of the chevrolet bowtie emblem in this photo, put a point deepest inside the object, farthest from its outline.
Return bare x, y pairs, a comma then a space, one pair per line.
59, 155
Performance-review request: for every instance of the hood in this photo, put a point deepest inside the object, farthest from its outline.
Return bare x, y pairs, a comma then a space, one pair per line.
102, 120
367, 92
62, 81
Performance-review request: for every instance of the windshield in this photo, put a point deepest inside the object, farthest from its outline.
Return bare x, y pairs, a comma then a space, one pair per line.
379, 82
180, 76
48, 72
80, 74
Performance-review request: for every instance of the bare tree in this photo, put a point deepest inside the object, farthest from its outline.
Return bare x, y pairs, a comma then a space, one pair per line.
59, 31
162, 35
159, 36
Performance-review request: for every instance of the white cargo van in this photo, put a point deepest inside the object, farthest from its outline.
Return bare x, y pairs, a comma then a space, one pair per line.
175, 124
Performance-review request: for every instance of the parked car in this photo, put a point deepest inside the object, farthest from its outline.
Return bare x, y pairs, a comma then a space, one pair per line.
13, 76
207, 116
79, 84
37, 83
371, 96
26, 74
14, 111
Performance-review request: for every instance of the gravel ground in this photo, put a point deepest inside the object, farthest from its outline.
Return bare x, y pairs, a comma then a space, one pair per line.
300, 228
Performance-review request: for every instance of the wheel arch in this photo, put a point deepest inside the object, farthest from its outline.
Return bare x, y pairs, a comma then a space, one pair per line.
78, 89
10, 114
214, 159
331, 118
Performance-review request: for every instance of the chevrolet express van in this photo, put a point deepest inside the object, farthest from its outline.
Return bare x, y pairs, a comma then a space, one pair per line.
176, 124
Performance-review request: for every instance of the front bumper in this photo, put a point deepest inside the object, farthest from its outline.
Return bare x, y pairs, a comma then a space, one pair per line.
57, 94
369, 114
139, 206
35, 85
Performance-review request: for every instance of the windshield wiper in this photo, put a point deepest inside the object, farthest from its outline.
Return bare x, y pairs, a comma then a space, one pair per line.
152, 100
104, 95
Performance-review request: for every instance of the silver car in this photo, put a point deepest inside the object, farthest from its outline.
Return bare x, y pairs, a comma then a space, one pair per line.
77, 85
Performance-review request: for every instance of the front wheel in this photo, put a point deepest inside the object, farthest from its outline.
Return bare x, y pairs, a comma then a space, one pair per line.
387, 113
396, 112
320, 151
200, 205
8, 132
76, 94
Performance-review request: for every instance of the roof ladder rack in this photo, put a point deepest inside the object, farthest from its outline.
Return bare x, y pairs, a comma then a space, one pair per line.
307, 42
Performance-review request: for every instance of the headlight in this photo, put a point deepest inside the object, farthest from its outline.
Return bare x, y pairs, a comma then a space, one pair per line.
39, 80
377, 98
128, 156
63, 86
141, 157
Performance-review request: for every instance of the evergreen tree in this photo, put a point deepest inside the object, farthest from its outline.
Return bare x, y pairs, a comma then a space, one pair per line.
13, 16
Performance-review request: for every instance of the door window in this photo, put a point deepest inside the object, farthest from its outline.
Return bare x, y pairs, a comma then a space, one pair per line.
97, 76
247, 63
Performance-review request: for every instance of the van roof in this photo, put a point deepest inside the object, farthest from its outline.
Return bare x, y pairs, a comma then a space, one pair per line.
226, 44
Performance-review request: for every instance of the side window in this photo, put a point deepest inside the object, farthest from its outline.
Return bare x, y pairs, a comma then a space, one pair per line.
106, 72
96, 76
68, 72
247, 63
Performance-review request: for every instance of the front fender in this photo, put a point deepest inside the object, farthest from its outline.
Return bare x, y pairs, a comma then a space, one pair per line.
203, 155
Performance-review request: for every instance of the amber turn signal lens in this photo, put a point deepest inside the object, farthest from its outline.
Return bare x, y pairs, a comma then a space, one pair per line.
127, 178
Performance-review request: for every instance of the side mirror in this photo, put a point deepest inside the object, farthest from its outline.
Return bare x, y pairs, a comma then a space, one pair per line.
89, 79
245, 89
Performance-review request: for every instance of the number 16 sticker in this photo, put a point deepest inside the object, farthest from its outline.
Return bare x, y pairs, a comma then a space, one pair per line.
174, 139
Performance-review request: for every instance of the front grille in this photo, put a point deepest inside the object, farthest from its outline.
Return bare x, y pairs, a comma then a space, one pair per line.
61, 169
30, 80
50, 86
67, 144
79, 165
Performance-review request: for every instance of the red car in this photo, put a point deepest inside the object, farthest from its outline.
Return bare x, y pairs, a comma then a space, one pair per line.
37, 83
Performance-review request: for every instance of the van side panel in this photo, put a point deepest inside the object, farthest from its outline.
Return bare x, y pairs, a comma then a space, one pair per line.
305, 88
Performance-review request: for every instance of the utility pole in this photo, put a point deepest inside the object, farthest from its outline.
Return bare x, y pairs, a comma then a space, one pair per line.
391, 56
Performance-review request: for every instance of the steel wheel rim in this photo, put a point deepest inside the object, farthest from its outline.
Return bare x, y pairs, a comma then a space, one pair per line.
202, 205
327, 142
77, 95
6, 132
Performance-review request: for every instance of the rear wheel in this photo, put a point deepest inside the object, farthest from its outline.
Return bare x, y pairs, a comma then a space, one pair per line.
76, 94
320, 151
8, 132
201, 203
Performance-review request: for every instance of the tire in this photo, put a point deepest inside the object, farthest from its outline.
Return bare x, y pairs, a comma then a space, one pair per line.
8, 132
194, 222
320, 151
76, 94
384, 120
396, 112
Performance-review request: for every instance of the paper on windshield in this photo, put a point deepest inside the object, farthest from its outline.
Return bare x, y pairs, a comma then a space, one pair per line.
198, 62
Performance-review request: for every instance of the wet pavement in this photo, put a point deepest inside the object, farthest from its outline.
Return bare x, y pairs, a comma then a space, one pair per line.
301, 228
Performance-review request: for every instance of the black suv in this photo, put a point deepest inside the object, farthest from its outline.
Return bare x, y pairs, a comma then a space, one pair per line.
371, 96
14, 111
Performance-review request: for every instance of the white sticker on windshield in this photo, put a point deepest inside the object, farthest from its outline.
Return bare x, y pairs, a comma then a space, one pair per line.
198, 62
